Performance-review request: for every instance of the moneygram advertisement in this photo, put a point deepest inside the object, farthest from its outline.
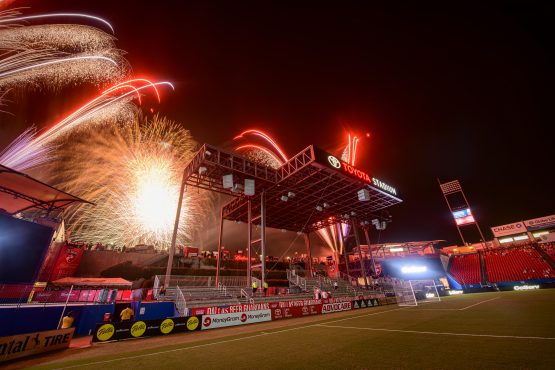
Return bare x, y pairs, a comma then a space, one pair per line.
235, 318
145, 328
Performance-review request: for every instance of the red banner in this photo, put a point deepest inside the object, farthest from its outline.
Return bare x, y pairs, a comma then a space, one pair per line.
289, 312
67, 262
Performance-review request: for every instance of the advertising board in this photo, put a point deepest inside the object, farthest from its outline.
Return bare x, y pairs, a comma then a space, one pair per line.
145, 328
23, 345
508, 229
235, 318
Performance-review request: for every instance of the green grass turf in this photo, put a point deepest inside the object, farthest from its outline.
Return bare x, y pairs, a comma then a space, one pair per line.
522, 314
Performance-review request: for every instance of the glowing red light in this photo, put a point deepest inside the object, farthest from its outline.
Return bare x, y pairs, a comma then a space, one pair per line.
266, 137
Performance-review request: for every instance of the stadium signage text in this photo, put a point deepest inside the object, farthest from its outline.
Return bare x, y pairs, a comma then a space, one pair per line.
23, 345
237, 318
526, 287
508, 229
336, 307
382, 185
455, 292
538, 223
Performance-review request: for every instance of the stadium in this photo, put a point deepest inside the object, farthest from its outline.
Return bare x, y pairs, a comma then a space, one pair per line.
125, 242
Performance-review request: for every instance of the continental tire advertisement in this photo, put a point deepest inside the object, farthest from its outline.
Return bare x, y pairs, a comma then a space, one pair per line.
145, 328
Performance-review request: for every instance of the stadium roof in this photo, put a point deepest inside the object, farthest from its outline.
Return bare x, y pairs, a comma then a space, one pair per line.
312, 190
20, 192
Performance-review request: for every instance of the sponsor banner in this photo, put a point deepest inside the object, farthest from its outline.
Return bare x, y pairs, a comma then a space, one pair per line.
290, 312
67, 262
23, 345
296, 303
363, 302
508, 229
236, 318
336, 307
145, 328
540, 223
214, 310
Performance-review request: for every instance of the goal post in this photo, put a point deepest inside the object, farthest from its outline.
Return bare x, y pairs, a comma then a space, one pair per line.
404, 293
411, 292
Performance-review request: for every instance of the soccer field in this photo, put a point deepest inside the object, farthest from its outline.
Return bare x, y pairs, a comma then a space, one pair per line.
487, 330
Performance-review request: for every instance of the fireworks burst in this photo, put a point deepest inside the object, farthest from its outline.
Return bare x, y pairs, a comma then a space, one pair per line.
135, 182
52, 56
112, 105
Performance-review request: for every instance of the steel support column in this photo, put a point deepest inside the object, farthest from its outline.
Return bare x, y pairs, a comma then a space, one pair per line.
249, 242
175, 230
357, 239
263, 236
370, 250
220, 238
308, 253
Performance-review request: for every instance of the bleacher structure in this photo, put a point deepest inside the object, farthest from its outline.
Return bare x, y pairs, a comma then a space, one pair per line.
529, 262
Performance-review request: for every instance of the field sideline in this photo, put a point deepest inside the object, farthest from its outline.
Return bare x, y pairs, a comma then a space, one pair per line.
487, 330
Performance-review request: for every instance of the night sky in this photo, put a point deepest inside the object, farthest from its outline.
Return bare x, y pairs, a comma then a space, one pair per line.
449, 90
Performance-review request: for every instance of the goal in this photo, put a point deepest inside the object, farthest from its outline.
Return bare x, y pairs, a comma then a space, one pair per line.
412, 292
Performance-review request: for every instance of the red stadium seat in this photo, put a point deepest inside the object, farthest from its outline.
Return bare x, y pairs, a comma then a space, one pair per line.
465, 268
516, 264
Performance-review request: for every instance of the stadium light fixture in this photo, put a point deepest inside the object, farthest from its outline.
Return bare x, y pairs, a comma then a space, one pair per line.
291, 194
202, 170
284, 198
319, 208
208, 153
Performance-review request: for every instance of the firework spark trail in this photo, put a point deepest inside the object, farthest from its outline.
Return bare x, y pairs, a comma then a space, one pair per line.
33, 150
54, 55
11, 16
135, 183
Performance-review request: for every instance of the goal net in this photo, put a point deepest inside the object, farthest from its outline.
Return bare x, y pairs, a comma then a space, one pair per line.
412, 292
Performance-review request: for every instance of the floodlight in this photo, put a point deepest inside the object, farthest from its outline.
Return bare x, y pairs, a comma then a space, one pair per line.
202, 170
319, 208
284, 198
291, 194
249, 186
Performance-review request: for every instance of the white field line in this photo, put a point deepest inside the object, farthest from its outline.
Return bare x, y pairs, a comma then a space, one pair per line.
456, 309
476, 304
434, 333
218, 342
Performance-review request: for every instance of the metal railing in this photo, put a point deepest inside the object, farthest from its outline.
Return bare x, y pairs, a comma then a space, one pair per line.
248, 298
180, 303
296, 279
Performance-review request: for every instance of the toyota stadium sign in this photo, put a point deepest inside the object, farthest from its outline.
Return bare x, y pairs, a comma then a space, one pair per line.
331, 161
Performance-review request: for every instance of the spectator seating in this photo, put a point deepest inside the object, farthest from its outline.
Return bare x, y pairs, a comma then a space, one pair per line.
465, 268
516, 264
549, 249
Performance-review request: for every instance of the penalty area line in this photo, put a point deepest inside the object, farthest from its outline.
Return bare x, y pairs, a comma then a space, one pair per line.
262, 334
434, 332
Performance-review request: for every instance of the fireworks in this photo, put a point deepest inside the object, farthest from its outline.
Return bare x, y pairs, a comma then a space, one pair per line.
135, 182
112, 105
267, 153
51, 56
